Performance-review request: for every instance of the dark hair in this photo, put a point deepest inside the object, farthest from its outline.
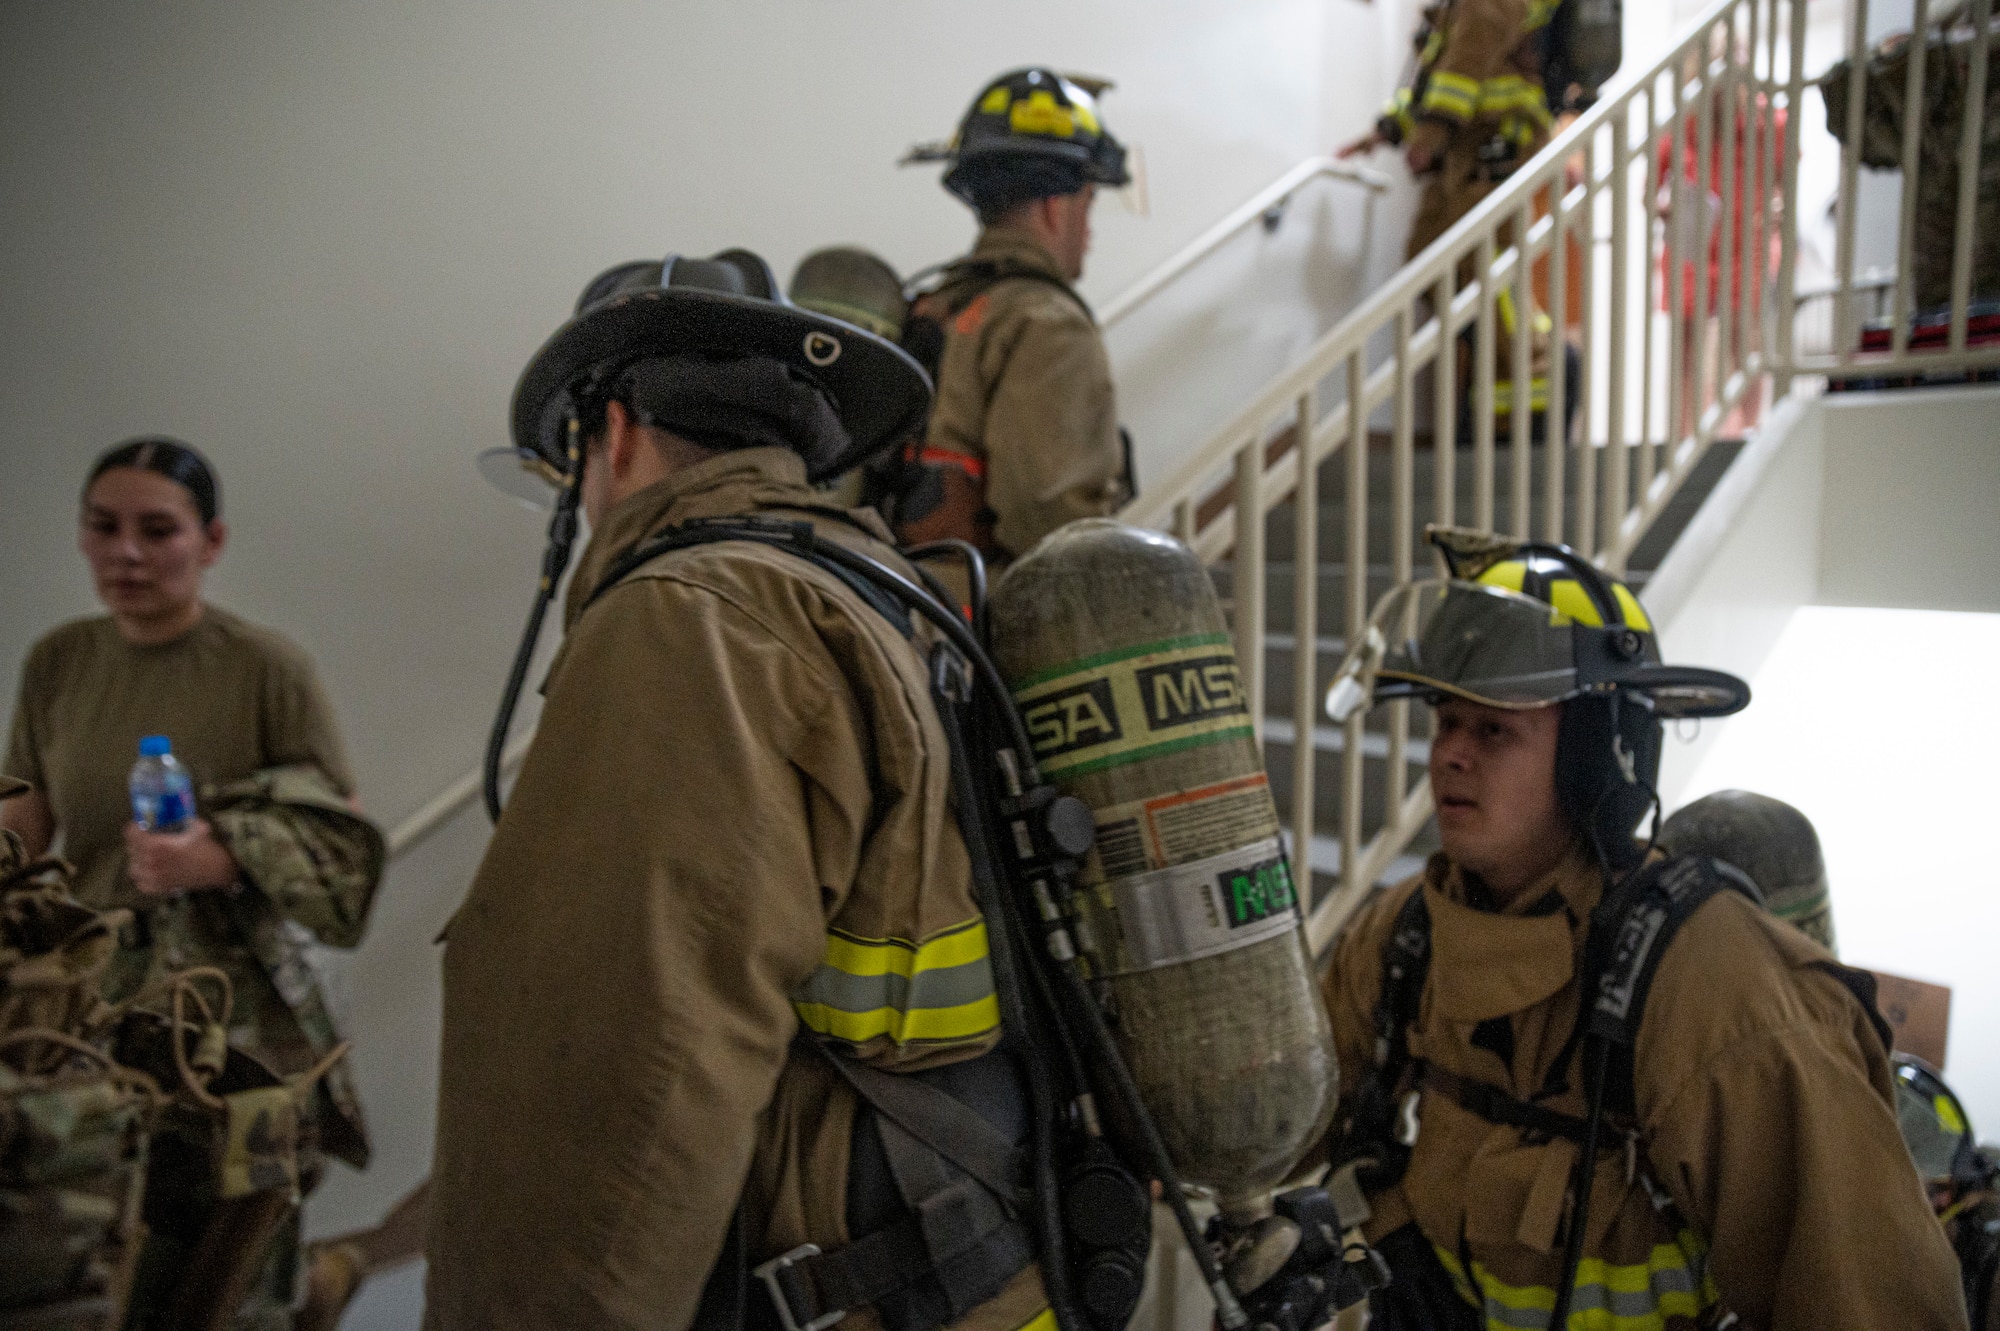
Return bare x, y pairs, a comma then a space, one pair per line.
180, 463
998, 185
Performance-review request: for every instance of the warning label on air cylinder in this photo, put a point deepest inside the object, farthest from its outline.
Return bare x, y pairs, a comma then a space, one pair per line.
1181, 826
1106, 711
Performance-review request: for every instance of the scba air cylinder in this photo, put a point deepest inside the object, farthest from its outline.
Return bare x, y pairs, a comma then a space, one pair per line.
1115, 647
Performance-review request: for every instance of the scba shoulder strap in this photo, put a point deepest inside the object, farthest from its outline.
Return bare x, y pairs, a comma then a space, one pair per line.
1630, 931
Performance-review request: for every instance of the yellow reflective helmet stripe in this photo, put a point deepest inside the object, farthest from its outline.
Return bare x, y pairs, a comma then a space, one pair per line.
1635, 614
1573, 603
1569, 602
936, 991
1635, 1296
995, 101
1509, 575
1040, 113
1085, 113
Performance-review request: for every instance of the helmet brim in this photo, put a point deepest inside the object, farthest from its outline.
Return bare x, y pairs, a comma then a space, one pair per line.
879, 392
1501, 648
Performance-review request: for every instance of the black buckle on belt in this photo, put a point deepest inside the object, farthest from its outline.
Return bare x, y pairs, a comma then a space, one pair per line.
772, 1273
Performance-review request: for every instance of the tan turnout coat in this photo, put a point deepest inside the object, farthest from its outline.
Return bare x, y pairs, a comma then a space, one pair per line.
1765, 1124
1024, 389
738, 787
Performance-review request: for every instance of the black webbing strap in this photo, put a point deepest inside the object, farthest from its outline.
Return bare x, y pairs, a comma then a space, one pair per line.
960, 1238
948, 1127
1497, 1106
1862, 985
797, 537
1632, 928
969, 279
1630, 932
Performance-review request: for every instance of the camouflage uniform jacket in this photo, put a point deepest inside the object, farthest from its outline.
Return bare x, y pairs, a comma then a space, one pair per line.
1947, 76
311, 866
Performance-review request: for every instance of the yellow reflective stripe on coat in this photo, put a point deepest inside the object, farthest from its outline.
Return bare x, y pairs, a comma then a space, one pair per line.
1451, 95
1045, 1320
936, 991
1503, 395
1510, 92
1639, 1296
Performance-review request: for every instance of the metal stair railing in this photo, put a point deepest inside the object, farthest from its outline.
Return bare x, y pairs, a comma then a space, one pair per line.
1595, 210
1648, 179
1267, 206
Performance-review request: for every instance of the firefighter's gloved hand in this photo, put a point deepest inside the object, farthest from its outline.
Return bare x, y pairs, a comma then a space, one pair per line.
1424, 148
1367, 143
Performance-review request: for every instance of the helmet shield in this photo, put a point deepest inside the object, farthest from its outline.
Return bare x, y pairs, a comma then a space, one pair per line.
1490, 645
522, 474
1522, 625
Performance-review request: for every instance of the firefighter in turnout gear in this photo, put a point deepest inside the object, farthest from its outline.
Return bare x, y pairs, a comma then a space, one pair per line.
1549, 993
1472, 112
1024, 436
728, 888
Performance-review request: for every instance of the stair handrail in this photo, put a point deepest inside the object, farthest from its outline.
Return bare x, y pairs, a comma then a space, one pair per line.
1265, 206
1256, 461
445, 805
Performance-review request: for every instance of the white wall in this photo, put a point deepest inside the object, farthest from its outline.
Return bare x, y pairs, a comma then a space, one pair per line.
1859, 725
1841, 567
1726, 590
1911, 482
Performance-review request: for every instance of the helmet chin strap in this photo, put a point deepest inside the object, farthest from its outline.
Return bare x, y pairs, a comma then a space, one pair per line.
555, 559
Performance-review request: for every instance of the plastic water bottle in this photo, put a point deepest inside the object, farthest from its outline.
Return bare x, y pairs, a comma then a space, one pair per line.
162, 793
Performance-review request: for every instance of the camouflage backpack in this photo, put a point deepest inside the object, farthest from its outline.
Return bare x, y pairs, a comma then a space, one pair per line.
75, 1127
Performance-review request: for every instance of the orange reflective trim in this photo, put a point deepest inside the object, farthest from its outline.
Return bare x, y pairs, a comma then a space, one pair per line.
944, 457
968, 320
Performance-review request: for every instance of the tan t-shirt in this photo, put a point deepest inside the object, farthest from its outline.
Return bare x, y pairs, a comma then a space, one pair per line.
233, 697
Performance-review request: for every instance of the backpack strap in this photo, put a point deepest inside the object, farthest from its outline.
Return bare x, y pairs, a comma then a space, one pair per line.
798, 538
1370, 1132
962, 1232
1630, 931
969, 279
1862, 985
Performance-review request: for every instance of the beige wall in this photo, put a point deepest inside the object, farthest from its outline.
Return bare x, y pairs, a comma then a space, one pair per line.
321, 241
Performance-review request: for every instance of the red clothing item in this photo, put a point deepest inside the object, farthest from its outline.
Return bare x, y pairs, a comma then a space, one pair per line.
1761, 132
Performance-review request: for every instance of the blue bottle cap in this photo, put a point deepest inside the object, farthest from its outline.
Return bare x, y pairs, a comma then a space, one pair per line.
155, 746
